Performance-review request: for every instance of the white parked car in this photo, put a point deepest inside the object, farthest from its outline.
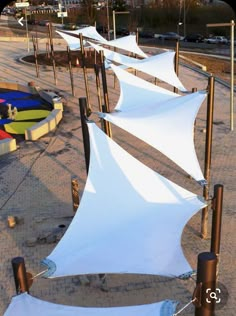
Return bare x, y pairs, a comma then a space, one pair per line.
216, 40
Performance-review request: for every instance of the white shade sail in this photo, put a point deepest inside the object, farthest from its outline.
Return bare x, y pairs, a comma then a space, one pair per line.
168, 127
127, 43
160, 66
130, 219
27, 305
72, 42
88, 32
136, 92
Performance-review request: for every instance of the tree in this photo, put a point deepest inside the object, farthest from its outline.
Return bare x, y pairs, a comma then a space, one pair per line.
89, 10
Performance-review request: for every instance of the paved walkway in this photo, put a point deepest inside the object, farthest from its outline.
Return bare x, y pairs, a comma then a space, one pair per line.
36, 186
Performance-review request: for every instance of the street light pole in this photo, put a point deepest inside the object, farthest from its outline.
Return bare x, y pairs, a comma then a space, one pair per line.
108, 22
184, 19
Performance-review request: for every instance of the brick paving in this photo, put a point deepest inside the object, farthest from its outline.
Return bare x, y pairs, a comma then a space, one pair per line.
36, 186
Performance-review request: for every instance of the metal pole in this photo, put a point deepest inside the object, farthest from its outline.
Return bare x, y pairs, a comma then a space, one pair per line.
98, 85
217, 218
195, 121
108, 22
114, 23
106, 107
35, 56
75, 192
176, 62
85, 75
232, 78
104, 82
27, 31
52, 53
70, 71
206, 283
184, 18
20, 276
83, 106
208, 148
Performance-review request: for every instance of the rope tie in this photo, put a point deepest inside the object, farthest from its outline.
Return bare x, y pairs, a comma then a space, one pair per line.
183, 308
37, 275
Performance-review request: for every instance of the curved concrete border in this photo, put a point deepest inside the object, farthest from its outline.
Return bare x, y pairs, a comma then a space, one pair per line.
45, 126
16, 86
7, 145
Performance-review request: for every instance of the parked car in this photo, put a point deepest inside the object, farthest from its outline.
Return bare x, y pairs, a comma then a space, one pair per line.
44, 22
170, 36
70, 26
146, 34
33, 22
195, 37
216, 40
122, 31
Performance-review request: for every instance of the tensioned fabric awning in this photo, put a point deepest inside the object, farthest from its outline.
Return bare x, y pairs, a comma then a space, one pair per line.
130, 219
88, 32
167, 126
73, 42
136, 92
127, 43
160, 66
27, 305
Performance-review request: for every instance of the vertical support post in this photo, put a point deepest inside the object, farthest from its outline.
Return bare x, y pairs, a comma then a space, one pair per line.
85, 133
52, 53
35, 56
85, 74
217, 208
75, 192
206, 280
114, 23
232, 77
195, 122
176, 62
98, 85
70, 71
20, 276
106, 107
208, 149
108, 20
27, 30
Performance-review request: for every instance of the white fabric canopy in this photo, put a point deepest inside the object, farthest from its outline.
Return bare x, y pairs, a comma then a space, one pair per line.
27, 305
73, 42
160, 66
128, 43
136, 92
130, 219
168, 127
89, 32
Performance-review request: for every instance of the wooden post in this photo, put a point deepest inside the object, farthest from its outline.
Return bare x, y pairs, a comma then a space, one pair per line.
195, 122
176, 62
98, 85
106, 107
83, 107
35, 56
52, 53
75, 192
217, 207
208, 149
70, 71
85, 74
20, 276
206, 284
